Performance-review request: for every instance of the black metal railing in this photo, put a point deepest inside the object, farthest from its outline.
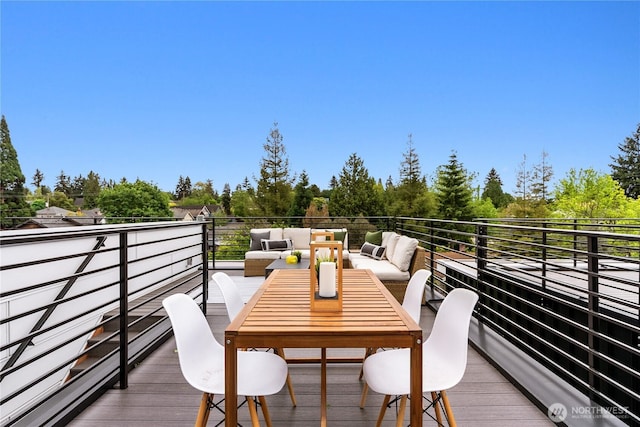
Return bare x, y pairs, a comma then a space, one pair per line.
81, 306
564, 293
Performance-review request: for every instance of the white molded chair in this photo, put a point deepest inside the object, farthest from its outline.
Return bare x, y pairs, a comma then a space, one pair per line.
412, 303
444, 357
202, 361
234, 304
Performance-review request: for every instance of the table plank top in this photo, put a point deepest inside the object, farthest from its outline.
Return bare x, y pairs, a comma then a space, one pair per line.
281, 307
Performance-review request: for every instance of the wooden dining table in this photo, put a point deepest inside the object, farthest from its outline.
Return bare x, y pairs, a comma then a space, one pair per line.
279, 316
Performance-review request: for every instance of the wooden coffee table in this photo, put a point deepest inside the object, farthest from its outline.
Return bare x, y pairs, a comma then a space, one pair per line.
281, 264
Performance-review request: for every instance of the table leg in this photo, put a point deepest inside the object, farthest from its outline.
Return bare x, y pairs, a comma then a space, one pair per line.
323, 389
416, 383
230, 383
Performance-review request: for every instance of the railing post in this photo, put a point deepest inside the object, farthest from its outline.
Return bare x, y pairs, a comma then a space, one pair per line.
124, 310
593, 308
432, 256
213, 243
205, 267
544, 262
481, 262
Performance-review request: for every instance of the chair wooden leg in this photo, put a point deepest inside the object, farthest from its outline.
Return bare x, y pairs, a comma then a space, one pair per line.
447, 408
436, 408
383, 409
265, 410
365, 389
368, 352
292, 394
403, 406
203, 412
253, 412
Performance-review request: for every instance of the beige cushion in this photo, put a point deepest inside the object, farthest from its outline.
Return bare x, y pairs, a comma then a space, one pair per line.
403, 252
383, 270
299, 236
262, 254
391, 245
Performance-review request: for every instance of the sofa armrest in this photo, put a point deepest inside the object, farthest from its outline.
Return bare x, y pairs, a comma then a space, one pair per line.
417, 260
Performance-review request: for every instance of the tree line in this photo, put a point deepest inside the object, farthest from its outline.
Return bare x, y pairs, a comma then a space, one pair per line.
276, 191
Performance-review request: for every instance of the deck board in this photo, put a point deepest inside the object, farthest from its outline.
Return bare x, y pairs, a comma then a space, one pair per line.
158, 395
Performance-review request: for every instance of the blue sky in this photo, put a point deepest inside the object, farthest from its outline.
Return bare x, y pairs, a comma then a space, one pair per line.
155, 90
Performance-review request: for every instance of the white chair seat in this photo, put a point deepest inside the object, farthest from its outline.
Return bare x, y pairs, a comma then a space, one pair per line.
388, 372
259, 374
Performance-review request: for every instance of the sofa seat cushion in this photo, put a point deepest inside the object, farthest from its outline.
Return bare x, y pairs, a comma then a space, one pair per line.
383, 270
263, 254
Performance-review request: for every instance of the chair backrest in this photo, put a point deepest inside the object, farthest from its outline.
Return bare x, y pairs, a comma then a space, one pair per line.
449, 336
230, 293
197, 347
412, 301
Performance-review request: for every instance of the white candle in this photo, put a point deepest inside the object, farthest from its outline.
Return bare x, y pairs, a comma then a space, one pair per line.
327, 279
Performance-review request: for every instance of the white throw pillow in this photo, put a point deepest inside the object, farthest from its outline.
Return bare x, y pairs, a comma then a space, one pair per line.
391, 246
299, 236
403, 253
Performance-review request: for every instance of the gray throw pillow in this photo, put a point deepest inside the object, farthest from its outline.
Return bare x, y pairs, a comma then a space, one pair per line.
256, 238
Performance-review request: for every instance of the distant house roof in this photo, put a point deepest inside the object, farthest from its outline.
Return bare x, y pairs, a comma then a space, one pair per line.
48, 223
192, 212
52, 212
59, 217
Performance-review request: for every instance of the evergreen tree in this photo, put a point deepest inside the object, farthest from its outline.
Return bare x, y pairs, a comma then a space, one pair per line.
225, 199
453, 191
273, 194
91, 190
412, 183
626, 166
183, 188
76, 188
523, 180
63, 184
12, 191
493, 190
355, 193
542, 174
37, 179
302, 196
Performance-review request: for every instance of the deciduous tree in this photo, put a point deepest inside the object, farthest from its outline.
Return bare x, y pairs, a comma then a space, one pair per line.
589, 194
138, 199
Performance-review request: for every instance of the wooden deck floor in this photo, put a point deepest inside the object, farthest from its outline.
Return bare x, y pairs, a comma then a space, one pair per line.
159, 396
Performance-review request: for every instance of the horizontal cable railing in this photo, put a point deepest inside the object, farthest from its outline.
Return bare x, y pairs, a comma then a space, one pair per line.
80, 306
565, 293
